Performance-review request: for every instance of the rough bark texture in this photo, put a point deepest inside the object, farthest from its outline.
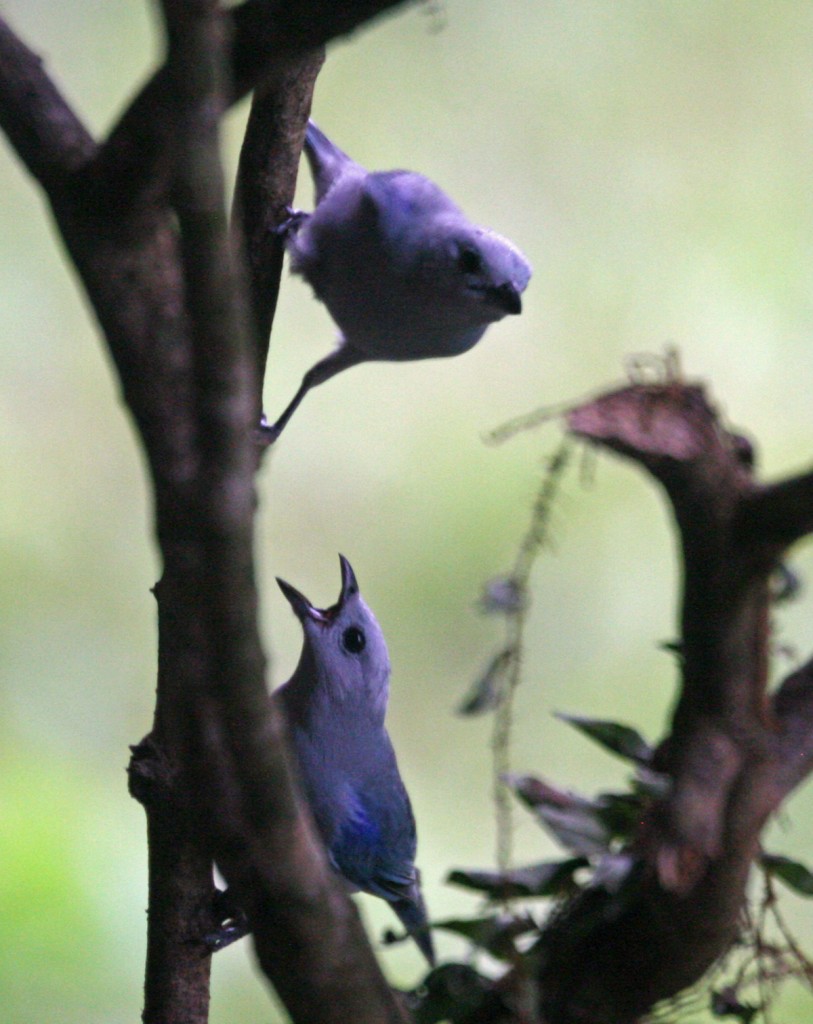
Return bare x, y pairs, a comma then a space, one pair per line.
266, 179
142, 216
733, 753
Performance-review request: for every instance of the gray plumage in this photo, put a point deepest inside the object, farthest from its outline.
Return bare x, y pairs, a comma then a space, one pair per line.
400, 268
335, 703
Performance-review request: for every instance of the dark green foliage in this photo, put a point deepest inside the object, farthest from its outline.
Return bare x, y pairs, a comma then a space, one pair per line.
792, 873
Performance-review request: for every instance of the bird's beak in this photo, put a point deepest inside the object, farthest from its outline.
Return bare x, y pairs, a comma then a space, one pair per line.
350, 585
302, 607
505, 297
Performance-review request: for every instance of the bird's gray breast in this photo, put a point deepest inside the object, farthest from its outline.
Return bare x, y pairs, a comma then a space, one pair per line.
387, 304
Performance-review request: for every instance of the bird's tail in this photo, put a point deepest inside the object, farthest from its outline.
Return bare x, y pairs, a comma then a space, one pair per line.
411, 912
327, 161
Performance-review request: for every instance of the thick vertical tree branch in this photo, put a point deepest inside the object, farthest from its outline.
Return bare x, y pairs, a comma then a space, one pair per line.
171, 306
721, 716
236, 749
176, 976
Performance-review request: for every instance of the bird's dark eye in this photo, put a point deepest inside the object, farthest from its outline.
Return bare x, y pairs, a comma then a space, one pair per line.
353, 640
469, 261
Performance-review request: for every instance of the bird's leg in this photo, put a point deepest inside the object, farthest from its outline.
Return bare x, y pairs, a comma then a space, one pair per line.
340, 359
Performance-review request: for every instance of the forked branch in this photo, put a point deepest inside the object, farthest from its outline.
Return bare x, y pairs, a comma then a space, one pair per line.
733, 753
143, 219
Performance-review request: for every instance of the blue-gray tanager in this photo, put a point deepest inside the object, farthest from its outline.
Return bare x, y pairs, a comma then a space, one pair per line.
401, 269
335, 703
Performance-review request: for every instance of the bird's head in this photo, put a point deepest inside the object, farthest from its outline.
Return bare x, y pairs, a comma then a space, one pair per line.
487, 271
469, 270
344, 645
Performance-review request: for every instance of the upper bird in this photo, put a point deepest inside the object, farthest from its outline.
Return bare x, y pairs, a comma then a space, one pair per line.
401, 269
335, 703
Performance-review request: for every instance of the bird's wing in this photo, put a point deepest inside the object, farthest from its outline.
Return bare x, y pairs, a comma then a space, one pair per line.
375, 846
375, 851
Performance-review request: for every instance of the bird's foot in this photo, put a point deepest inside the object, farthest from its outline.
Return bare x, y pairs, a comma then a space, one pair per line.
232, 922
292, 223
265, 434
225, 935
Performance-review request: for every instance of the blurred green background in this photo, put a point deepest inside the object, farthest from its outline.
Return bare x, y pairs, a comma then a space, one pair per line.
654, 162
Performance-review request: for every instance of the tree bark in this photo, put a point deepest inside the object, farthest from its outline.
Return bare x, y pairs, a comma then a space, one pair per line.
733, 753
142, 217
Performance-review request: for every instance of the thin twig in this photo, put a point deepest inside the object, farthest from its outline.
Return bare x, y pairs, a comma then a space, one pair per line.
536, 538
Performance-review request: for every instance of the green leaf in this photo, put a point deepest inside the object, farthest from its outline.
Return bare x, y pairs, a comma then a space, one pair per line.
795, 875
495, 933
619, 739
575, 822
650, 784
549, 878
578, 828
585, 827
620, 812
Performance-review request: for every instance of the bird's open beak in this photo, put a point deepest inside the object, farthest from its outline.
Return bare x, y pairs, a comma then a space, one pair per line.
504, 297
302, 607
350, 585
304, 610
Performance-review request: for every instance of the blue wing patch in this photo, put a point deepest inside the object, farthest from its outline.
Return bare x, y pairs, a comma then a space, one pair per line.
368, 853
358, 841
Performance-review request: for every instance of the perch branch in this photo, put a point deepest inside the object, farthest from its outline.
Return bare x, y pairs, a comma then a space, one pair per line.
236, 753
266, 179
289, 29
174, 326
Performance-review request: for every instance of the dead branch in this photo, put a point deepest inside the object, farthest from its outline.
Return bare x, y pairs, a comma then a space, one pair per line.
733, 753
